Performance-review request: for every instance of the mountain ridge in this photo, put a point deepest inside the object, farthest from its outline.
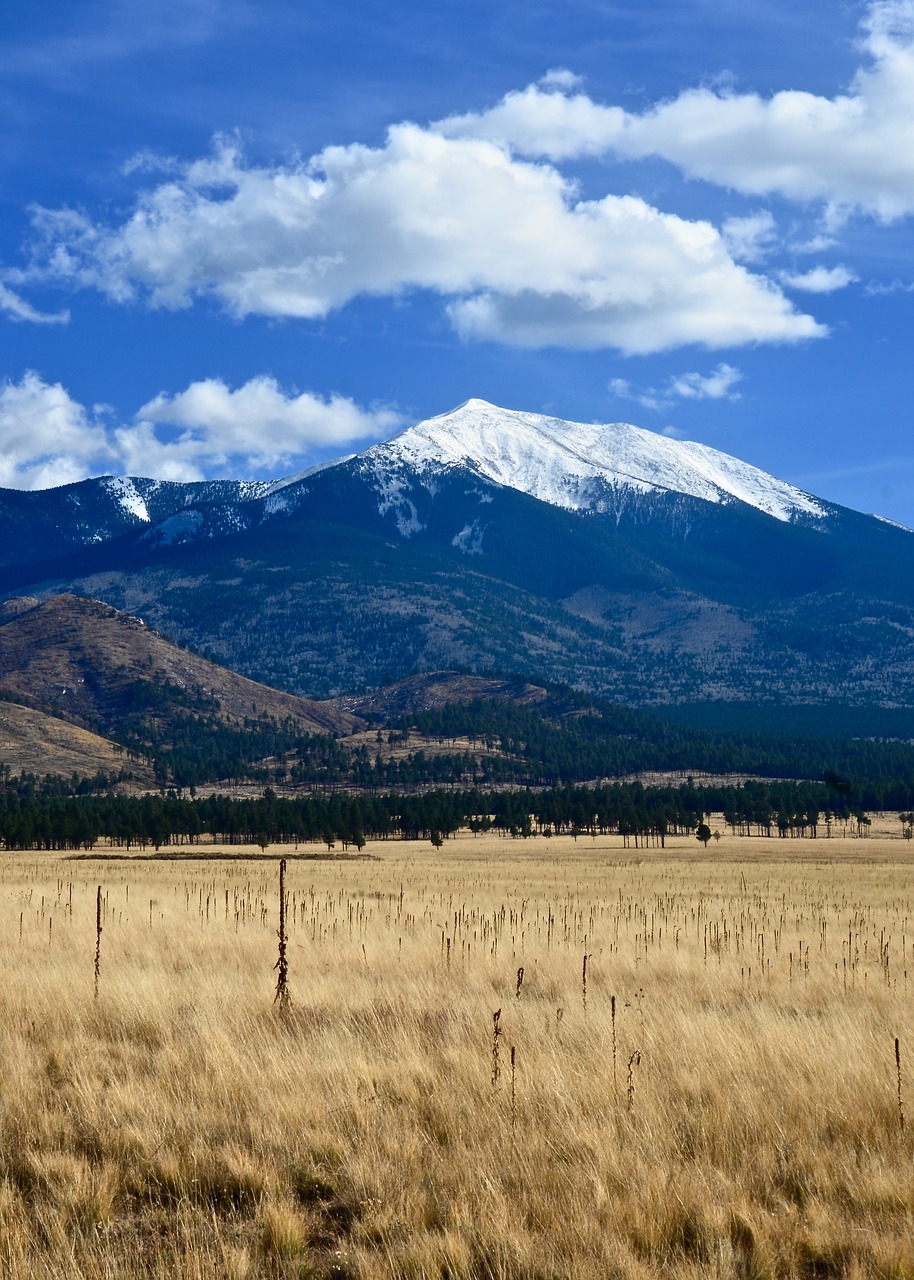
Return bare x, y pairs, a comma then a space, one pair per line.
582, 467
578, 465
407, 558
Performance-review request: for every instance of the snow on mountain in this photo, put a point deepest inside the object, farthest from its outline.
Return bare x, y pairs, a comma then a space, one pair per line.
148, 500
893, 523
275, 486
278, 501
125, 492
576, 465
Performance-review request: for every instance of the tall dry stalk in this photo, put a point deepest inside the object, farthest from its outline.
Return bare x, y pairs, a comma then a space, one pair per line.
634, 1061
272, 1139
520, 981
496, 1033
282, 996
98, 937
513, 1089
612, 1014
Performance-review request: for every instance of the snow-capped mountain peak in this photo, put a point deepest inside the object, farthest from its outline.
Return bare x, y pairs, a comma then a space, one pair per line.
581, 466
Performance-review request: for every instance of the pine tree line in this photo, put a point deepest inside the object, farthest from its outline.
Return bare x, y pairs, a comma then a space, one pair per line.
641, 815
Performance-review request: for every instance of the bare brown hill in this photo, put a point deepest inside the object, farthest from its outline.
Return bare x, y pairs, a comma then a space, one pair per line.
32, 742
433, 690
88, 662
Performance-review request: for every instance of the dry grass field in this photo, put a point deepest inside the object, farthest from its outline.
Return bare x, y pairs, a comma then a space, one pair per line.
719, 1098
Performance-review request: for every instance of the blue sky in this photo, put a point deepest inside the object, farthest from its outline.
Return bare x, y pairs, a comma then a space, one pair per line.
236, 239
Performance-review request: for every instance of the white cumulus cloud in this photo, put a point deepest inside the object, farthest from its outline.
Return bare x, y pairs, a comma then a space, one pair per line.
544, 121
851, 152
258, 424
517, 256
47, 438
560, 78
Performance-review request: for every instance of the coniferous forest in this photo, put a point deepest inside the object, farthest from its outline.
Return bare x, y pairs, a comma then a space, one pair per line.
643, 816
568, 738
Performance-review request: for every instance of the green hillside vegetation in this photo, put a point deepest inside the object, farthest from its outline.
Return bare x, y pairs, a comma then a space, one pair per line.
487, 743
574, 737
814, 720
568, 739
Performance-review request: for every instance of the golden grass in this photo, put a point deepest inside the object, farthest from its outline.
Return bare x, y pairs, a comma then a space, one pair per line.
182, 1125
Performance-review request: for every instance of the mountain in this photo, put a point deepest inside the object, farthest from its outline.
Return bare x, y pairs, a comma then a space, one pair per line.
164, 718
615, 470
578, 466
651, 570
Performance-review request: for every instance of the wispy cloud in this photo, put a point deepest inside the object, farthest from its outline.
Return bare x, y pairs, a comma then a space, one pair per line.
751, 238
715, 386
115, 31
892, 286
718, 385
819, 279
18, 309
648, 397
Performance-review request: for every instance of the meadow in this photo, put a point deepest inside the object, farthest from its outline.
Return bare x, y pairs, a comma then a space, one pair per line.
505, 1058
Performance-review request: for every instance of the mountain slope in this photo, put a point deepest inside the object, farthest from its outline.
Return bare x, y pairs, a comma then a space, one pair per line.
33, 742
85, 661
647, 569
438, 689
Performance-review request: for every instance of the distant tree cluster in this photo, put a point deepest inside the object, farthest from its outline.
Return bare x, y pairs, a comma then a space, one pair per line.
642, 816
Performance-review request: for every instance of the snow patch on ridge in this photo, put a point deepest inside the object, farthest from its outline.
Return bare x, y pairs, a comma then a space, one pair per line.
275, 486
894, 523
126, 494
393, 484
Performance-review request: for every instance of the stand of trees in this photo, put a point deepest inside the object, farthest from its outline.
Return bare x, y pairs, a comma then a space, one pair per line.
643, 816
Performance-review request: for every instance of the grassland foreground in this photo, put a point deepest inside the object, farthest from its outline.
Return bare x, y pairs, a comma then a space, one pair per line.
692, 1070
